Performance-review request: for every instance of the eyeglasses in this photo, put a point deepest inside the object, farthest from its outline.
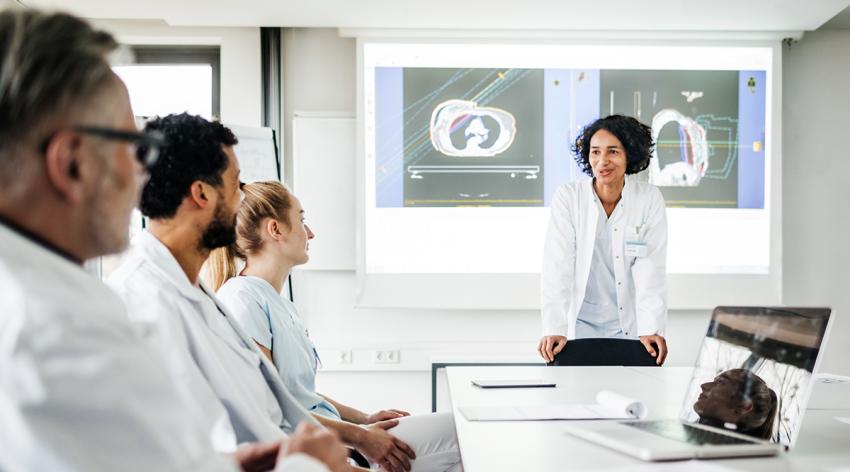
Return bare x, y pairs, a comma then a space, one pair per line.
147, 143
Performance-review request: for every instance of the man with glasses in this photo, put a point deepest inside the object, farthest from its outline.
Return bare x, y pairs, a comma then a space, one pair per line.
79, 390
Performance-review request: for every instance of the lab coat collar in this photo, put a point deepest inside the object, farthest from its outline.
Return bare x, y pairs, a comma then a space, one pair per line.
27, 234
161, 257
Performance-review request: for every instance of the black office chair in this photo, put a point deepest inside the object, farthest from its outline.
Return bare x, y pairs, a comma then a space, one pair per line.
603, 351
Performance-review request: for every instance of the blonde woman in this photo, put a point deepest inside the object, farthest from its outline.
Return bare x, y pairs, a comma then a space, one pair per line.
272, 238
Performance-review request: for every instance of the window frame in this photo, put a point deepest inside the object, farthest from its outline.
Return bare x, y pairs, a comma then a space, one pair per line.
181, 55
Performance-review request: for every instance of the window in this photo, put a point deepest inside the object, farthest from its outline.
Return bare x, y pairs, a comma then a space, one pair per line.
173, 79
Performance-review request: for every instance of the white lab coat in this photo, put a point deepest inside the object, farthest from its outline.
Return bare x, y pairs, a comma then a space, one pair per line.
568, 250
79, 391
206, 352
83, 388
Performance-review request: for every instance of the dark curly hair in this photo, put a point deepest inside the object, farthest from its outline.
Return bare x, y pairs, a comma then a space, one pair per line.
193, 152
635, 136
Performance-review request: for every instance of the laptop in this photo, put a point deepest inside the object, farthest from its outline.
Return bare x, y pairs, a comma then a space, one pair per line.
747, 396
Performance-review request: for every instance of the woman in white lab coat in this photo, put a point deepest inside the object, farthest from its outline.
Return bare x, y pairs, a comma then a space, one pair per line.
272, 238
604, 257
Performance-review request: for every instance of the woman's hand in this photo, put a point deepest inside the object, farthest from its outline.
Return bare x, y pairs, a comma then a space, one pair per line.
383, 415
549, 346
384, 449
661, 353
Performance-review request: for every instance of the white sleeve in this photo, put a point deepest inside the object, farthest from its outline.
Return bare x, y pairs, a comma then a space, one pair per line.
650, 272
87, 395
299, 463
558, 273
157, 320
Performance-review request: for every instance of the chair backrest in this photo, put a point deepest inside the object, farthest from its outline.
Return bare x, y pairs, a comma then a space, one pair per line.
603, 351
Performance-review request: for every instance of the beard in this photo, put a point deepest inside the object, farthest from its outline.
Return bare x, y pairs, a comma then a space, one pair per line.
220, 232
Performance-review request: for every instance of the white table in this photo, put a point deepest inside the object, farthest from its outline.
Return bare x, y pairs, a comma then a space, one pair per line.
824, 443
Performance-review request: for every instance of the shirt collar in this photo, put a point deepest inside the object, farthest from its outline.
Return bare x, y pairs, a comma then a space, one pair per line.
25, 233
158, 254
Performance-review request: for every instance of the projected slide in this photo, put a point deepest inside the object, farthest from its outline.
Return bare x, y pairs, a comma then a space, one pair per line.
708, 127
457, 137
465, 145
500, 137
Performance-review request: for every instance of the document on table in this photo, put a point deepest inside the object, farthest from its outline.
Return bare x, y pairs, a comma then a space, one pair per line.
608, 406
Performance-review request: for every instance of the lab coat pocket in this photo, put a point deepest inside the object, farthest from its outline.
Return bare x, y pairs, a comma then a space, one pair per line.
637, 232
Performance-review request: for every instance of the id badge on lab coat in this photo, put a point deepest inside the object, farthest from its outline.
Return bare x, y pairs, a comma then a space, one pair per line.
636, 248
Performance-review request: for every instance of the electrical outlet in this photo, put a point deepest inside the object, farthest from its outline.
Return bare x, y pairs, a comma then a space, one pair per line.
386, 356
346, 356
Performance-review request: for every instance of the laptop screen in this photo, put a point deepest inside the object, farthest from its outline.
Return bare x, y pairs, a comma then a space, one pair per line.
754, 370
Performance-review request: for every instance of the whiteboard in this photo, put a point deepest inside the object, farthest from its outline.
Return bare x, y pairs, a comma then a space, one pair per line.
323, 178
257, 154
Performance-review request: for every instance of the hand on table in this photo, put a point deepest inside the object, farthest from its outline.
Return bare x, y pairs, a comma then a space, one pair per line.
659, 354
549, 346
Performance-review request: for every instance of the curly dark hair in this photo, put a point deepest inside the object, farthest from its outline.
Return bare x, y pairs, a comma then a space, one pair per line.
193, 152
635, 136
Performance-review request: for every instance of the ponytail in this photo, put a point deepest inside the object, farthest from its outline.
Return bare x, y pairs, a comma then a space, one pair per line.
222, 265
269, 199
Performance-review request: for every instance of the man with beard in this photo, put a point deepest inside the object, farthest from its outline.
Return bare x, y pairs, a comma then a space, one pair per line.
191, 200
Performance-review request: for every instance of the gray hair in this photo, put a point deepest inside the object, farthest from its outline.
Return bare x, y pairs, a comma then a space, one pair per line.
50, 64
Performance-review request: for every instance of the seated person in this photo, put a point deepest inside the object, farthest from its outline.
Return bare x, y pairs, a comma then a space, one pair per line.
191, 200
272, 238
739, 399
78, 389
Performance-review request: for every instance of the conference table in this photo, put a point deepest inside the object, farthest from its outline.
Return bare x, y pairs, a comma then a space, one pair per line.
823, 444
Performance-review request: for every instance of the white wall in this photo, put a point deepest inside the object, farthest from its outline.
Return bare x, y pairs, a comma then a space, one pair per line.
816, 182
241, 74
319, 76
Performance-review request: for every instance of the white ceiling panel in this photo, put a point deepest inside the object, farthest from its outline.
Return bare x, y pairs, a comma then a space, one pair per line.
584, 15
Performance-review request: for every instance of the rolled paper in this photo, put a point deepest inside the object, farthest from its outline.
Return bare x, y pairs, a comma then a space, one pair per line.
615, 401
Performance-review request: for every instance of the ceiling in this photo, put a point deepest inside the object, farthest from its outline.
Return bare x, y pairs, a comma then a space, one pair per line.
529, 15
839, 21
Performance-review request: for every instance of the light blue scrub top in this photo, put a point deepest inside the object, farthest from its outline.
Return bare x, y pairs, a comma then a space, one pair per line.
273, 322
598, 316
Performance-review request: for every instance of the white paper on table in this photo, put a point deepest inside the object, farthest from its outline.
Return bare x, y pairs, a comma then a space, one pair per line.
609, 406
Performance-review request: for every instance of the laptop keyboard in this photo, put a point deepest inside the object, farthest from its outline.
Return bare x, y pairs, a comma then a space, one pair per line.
682, 432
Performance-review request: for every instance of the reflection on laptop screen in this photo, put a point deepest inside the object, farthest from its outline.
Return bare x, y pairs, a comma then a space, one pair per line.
754, 370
